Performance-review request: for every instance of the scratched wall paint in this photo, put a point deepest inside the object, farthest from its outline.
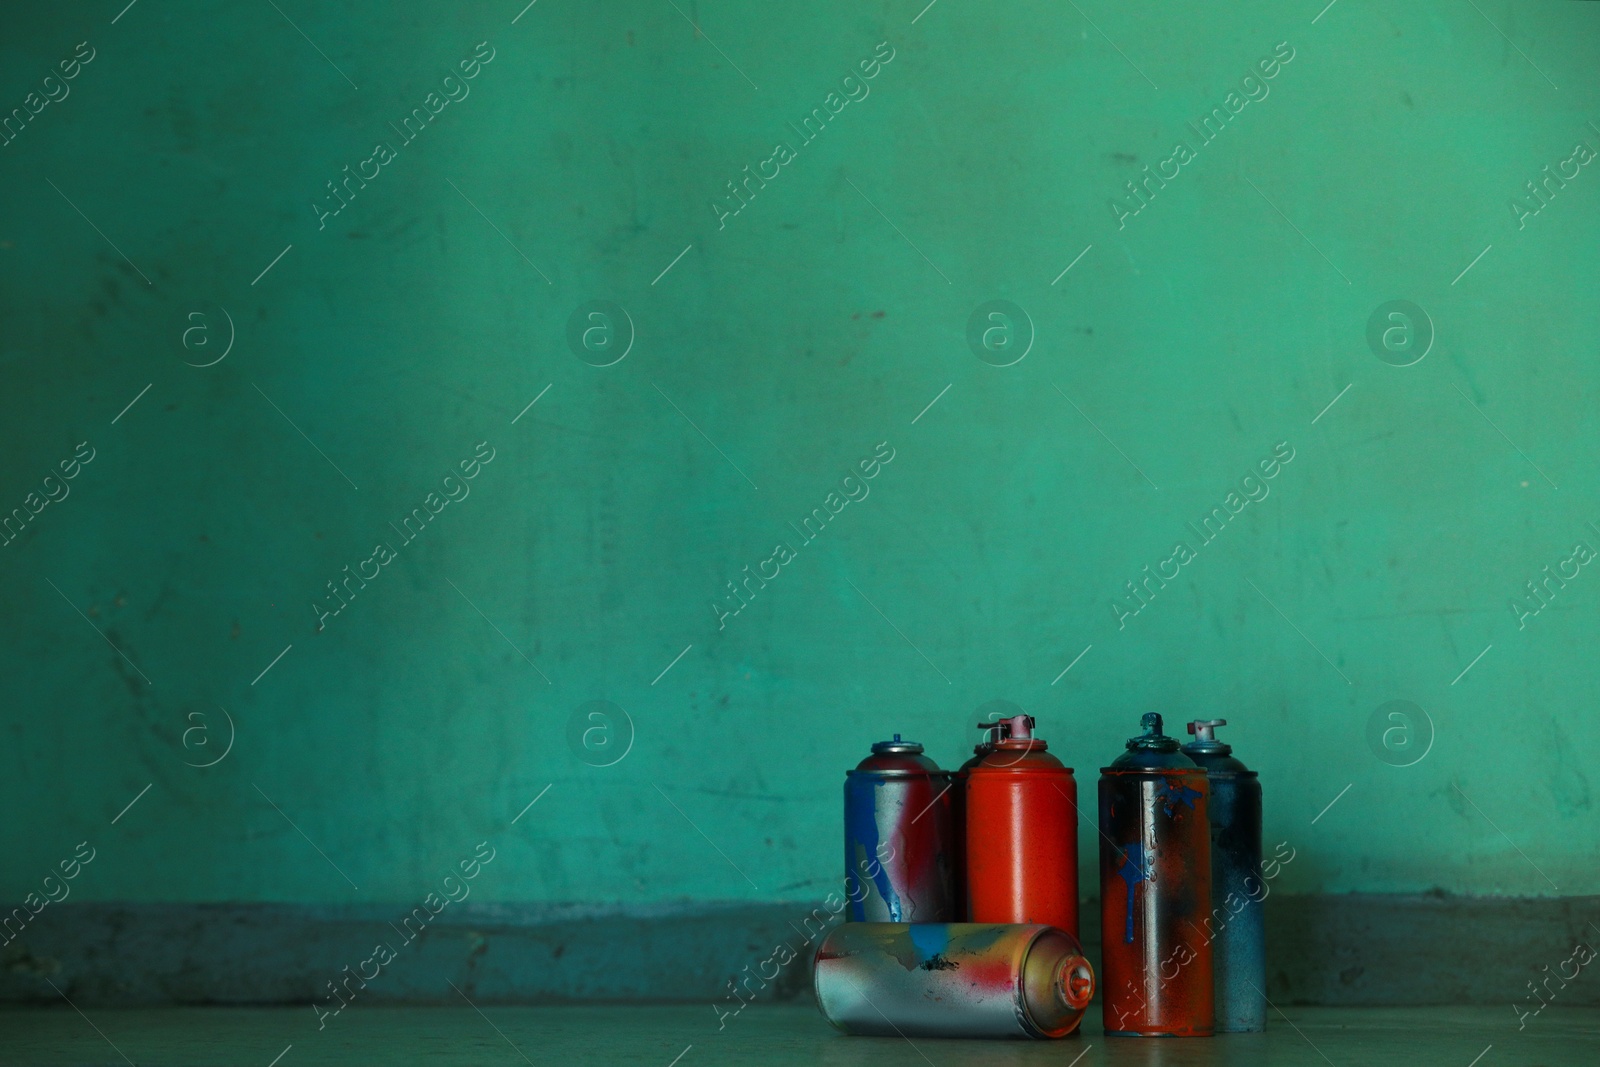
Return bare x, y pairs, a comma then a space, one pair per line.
582, 163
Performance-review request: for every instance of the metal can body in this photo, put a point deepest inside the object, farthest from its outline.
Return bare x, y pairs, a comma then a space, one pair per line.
899, 838
1237, 923
952, 980
1155, 893
1021, 809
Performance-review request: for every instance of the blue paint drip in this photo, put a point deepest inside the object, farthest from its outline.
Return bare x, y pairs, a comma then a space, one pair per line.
930, 940
861, 831
1133, 871
1177, 793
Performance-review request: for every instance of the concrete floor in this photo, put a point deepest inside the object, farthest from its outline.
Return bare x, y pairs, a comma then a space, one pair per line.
760, 1035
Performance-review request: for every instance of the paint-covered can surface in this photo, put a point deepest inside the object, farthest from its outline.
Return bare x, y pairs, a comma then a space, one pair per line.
1155, 891
1237, 923
1021, 816
952, 980
899, 838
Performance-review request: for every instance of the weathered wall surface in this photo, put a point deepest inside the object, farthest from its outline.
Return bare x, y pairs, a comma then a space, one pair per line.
176, 198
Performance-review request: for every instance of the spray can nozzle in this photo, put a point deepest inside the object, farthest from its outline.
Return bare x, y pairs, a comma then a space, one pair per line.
896, 747
1019, 727
1153, 739
1203, 729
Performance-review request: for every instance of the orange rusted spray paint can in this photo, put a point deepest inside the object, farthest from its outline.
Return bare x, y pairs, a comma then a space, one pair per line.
1021, 831
1155, 891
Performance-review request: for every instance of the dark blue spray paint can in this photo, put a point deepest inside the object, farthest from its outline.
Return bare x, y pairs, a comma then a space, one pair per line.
899, 837
1237, 925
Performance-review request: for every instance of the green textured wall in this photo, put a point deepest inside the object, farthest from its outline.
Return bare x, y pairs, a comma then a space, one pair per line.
782, 347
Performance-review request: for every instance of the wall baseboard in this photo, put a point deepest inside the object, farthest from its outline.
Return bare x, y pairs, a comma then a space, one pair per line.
1358, 949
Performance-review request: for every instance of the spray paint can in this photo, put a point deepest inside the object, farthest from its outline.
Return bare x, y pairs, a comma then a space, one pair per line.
899, 837
1237, 923
1155, 890
1021, 831
952, 980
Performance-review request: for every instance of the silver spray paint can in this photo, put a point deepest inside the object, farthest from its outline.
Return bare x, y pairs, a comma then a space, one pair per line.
899, 837
952, 980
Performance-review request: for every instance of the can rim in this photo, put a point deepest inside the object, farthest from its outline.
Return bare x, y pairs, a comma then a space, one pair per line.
1066, 953
899, 772
1163, 772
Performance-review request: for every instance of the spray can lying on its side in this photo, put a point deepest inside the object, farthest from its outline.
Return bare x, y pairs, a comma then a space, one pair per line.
1155, 891
1237, 923
899, 838
952, 980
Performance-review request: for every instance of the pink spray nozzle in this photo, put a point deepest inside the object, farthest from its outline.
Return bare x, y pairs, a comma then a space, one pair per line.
1016, 727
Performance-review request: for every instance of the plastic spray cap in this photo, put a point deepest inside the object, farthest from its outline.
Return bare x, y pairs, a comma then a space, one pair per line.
1018, 727
1152, 750
1212, 753
1153, 739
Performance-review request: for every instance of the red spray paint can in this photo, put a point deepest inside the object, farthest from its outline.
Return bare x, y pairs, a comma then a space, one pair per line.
1155, 891
1021, 831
